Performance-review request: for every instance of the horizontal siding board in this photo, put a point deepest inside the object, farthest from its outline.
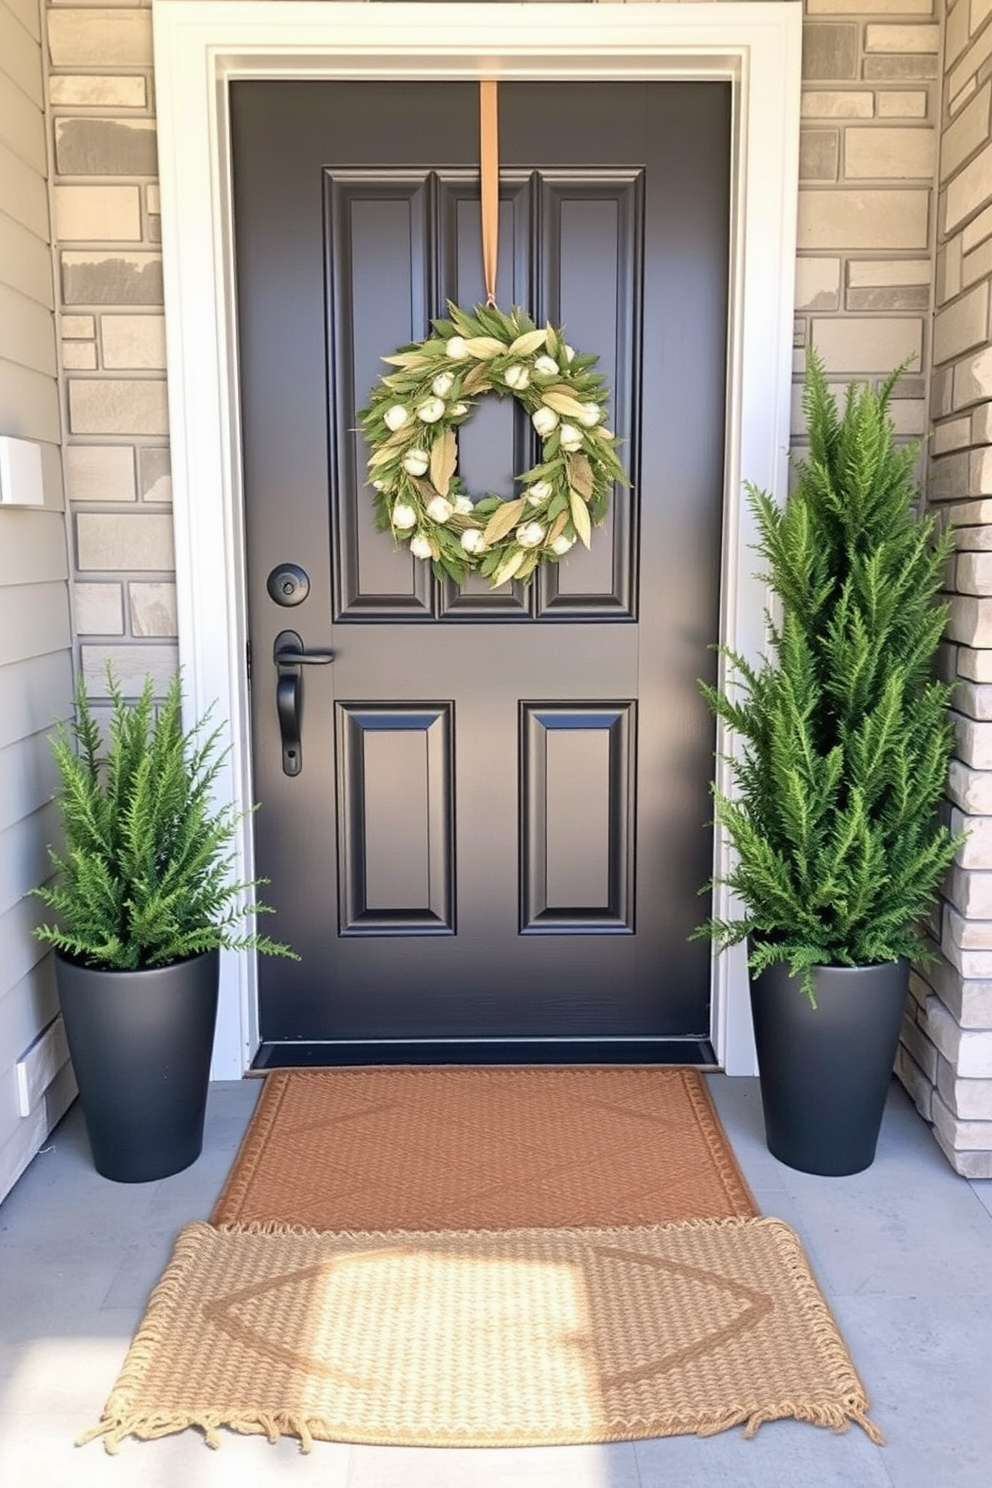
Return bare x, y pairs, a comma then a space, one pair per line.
34, 620
26, 262
23, 192
28, 13
24, 854
32, 695
28, 778
22, 124
26, 1009
35, 629
39, 1067
21, 54
27, 333
29, 403
20, 950
33, 548
27, 1134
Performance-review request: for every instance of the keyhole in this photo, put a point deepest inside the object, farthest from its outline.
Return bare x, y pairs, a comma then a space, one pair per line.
288, 584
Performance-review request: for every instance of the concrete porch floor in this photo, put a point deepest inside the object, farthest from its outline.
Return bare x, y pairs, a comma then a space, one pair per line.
902, 1252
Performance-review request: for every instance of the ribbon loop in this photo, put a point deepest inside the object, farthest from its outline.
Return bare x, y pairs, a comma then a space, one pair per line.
489, 181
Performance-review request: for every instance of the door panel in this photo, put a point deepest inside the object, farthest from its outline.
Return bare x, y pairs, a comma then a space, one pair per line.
577, 867
500, 824
396, 820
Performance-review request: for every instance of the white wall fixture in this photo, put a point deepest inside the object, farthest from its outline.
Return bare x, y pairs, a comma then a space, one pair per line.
22, 482
201, 46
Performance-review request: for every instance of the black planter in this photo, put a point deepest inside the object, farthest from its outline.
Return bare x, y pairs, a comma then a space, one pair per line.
825, 1071
140, 1043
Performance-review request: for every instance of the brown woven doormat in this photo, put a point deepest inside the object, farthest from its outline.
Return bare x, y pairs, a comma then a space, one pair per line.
488, 1149
516, 1338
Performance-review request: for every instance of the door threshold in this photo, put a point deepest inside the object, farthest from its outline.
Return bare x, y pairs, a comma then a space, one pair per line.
300, 1054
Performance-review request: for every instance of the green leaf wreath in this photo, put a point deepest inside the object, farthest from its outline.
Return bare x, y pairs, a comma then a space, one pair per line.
411, 425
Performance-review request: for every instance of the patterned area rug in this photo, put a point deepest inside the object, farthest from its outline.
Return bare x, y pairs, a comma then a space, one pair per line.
485, 1340
483, 1149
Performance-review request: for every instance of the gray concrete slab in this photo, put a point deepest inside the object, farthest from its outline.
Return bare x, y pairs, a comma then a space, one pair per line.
902, 1252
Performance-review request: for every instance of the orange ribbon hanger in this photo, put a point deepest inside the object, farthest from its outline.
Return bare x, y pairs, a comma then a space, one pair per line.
489, 181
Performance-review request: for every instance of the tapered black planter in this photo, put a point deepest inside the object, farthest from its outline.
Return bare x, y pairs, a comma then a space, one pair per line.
140, 1043
825, 1071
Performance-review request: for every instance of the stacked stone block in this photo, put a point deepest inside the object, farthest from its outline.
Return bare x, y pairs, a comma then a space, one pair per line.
867, 148
946, 1059
107, 227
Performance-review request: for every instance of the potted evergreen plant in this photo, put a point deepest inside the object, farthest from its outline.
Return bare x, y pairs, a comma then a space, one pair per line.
844, 747
143, 903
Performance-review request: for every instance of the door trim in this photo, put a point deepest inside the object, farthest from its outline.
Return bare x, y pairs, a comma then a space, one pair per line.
200, 46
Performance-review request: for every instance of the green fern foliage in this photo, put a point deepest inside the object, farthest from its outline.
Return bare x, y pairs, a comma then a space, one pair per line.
844, 733
144, 878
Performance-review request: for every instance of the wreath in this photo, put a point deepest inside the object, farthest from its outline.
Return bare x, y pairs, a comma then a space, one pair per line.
411, 425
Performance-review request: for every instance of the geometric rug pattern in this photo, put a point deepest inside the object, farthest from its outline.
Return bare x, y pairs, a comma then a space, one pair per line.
483, 1148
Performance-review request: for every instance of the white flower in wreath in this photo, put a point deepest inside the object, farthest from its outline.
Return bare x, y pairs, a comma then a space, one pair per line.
562, 545
379, 485
464, 505
395, 417
517, 377
545, 421
569, 353
439, 508
590, 415
571, 437
530, 535
416, 461
546, 364
455, 348
431, 411
472, 540
420, 546
442, 384
404, 516
458, 410
539, 492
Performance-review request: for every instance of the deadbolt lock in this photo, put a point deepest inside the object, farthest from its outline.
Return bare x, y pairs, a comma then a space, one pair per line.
288, 585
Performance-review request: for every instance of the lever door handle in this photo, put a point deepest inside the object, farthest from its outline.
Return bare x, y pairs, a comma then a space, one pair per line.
288, 710
289, 654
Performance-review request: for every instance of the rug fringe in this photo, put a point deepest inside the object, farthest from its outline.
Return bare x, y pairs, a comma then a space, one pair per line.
115, 1429
416, 1237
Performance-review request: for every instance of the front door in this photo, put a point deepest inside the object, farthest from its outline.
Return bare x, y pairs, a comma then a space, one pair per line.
485, 821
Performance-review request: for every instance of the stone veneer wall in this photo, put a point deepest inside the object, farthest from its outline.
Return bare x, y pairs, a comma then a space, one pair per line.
871, 105
112, 337
946, 1058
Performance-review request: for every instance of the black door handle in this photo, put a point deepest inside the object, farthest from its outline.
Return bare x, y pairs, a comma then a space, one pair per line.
289, 654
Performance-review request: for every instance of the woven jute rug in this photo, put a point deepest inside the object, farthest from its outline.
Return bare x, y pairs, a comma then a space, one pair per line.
483, 1148
516, 1338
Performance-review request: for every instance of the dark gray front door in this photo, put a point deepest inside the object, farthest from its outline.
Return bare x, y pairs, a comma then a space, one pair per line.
499, 820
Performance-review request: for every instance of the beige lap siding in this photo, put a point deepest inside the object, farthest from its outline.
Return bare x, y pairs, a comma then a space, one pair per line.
36, 1083
883, 100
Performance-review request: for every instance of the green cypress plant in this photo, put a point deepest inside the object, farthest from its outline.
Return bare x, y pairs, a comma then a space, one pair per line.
845, 736
144, 877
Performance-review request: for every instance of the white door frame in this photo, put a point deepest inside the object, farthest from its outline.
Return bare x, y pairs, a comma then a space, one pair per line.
200, 45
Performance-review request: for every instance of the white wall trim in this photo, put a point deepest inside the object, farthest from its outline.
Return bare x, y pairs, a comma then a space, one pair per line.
200, 45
